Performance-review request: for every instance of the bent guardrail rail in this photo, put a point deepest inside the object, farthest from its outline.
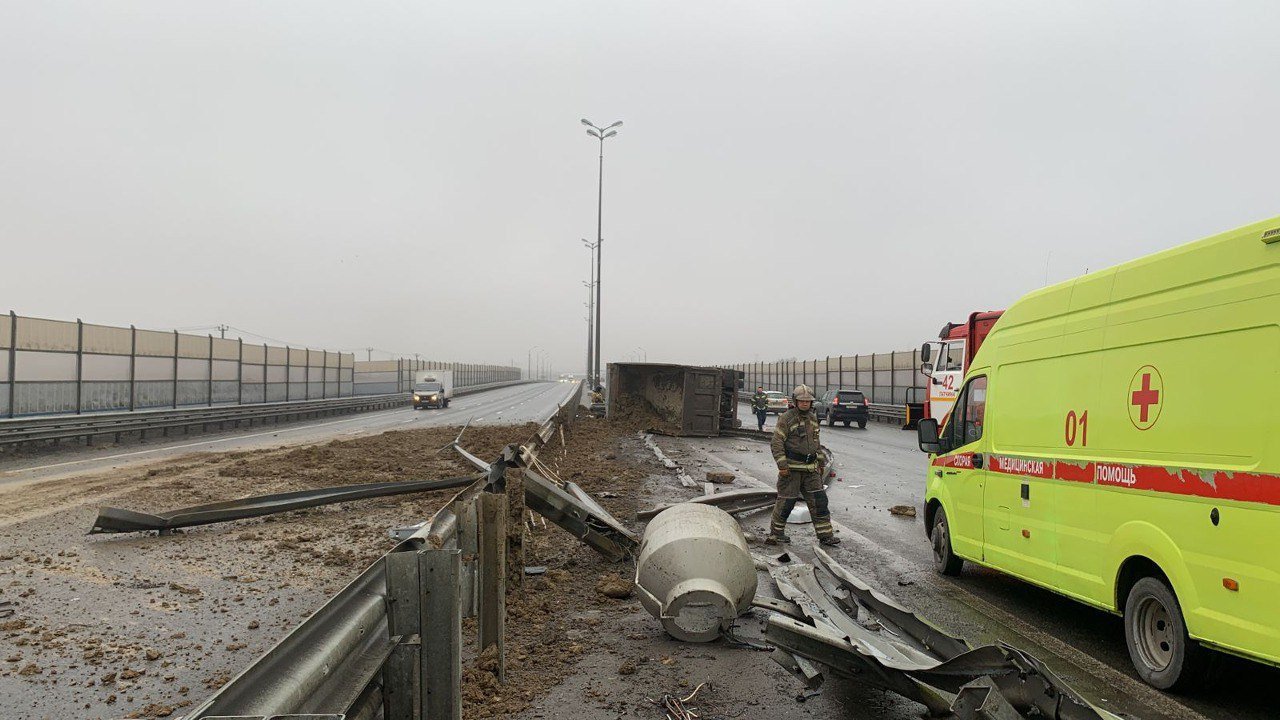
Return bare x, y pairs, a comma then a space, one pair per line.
390, 643
118, 520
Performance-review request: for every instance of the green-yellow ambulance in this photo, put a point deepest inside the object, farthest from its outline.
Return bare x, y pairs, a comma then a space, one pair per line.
1117, 440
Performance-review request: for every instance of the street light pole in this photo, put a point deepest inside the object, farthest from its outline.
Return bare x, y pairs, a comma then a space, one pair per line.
602, 134
529, 362
591, 303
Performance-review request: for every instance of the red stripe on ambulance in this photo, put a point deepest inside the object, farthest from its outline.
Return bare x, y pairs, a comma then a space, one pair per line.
1212, 484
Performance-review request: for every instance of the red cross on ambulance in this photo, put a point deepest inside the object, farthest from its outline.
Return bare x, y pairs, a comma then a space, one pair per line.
1146, 397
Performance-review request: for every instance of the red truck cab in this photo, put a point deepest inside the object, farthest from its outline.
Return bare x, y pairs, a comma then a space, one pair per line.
945, 361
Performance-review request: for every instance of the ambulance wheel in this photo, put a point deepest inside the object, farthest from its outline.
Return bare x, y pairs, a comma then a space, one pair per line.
1165, 657
944, 560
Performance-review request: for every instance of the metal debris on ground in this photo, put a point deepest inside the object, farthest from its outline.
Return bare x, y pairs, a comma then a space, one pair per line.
118, 520
676, 707
736, 640
859, 634
576, 512
732, 502
667, 462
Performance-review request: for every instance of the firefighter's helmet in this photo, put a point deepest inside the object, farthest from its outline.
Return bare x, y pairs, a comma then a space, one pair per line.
802, 392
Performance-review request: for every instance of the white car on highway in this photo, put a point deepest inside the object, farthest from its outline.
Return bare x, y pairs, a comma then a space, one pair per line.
778, 402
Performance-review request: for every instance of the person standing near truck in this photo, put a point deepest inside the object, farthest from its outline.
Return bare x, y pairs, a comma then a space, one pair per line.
798, 452
760, 406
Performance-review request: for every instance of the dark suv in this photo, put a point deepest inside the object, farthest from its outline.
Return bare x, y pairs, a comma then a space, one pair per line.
846, 406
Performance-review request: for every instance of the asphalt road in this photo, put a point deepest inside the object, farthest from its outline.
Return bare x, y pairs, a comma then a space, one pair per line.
881, 467
533, 402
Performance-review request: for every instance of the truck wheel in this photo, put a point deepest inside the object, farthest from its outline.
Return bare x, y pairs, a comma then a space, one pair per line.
1165, 657
446, 403
831, 420
944, 560
847, 422
862, 424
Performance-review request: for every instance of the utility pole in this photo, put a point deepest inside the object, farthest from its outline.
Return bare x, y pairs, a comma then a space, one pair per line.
602, 134
369, 356
222, 330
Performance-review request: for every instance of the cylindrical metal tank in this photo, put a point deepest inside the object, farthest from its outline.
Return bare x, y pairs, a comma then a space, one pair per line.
694, 572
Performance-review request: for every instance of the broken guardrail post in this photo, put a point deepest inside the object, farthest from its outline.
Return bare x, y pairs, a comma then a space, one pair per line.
404, 614
440, 650
492, 509
468, 542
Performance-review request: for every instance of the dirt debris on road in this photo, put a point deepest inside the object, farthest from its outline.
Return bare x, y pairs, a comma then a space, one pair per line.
143, 625
556, 618
106, 626
575, 651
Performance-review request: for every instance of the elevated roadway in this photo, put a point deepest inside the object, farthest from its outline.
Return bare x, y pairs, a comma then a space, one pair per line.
533, 402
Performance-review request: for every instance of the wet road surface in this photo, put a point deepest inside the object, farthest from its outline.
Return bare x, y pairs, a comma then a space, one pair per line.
881, 467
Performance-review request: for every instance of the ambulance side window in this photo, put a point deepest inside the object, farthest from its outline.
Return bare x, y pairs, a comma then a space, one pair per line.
975, 409
969, 414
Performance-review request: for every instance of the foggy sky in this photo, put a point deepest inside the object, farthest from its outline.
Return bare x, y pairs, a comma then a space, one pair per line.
793, 179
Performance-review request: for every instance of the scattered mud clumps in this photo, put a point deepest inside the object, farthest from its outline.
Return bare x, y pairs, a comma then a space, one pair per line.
178, 601
612, 586
556, 618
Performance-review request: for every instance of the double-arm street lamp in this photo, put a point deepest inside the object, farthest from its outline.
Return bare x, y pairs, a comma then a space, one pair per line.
602, 134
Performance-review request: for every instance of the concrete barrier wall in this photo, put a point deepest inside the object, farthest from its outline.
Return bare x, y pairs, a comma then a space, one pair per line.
892, 378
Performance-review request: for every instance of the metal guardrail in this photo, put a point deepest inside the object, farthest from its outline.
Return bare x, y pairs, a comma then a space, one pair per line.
887, 411
63, 427
389, 644
26, 430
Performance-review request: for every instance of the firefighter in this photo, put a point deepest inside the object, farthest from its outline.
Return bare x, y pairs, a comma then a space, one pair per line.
801, 470
597, 395
760, 406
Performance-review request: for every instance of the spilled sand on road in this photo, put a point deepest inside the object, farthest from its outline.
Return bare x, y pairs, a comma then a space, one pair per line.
116, 625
